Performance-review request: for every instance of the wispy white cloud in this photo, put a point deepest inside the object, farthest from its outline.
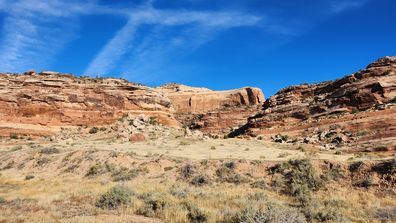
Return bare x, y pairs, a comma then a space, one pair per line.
33, 32
337, 6
120, 44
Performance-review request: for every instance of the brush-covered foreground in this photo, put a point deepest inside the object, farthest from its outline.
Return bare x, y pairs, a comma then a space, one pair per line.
103, 181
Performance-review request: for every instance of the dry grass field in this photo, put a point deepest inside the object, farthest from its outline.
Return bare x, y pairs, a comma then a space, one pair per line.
187, 179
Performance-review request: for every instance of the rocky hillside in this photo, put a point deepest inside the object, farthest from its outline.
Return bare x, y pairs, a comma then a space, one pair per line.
215, 112
39, 104
357, 108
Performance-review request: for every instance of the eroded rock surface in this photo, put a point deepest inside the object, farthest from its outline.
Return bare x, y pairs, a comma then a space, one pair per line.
39, 104
356, 108
216, 112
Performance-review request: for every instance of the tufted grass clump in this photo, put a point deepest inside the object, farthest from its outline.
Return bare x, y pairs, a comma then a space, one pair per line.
114, 198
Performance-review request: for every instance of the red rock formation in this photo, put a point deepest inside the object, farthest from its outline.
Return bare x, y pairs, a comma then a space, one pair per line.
213, 111
41, 103
360, 105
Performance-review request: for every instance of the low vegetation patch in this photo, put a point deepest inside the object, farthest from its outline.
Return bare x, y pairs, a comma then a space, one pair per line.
124, 174
187, 171
268, 213
153, 204
200, 180
196, 214
114, 198
49, 150
300, 179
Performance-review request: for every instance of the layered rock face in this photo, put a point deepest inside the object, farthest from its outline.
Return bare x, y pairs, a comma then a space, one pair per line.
216, 112
356, 108
39, 104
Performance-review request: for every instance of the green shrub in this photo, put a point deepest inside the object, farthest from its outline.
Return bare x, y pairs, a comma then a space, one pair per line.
153, 121
114, 198
393, 100
2, 200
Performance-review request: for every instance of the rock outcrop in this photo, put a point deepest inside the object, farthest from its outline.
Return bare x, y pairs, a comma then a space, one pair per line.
39, 104
356, 108
215, 112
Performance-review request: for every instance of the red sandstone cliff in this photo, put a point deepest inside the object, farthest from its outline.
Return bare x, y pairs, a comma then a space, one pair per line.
358, 108
38, 104
216, 112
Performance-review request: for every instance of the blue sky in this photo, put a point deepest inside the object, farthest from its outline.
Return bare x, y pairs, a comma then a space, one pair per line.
220, 44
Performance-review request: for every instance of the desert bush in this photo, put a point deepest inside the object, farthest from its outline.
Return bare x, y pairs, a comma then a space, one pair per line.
230, 165
267, 214
385, 167
333, 172
93, 130
153, 204
178, 191
49, 150
2, 200
29, 177
187, 171
283, 155
326, 211
227, 174
213, 148
14, 136
393, 100
114, 198
367, 182
299, 178
200, 180
124, 174
356, 166
95, 170
260, 184
386, 214
196, 215
42, 160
